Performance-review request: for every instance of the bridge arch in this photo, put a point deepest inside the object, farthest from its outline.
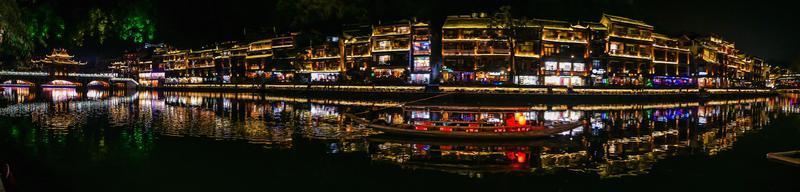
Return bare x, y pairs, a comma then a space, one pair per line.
98, 83
18, 82
63, 83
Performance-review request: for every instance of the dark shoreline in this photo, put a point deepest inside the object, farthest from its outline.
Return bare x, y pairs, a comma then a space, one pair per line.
491, 97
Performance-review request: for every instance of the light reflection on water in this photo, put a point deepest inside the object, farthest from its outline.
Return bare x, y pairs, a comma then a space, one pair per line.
619, 140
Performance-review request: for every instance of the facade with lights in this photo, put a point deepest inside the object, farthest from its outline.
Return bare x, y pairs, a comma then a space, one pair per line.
476, 50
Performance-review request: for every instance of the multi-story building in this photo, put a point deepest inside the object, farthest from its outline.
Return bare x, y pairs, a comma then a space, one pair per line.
760, 74
391, 45
709, 59
357, 53
322, 63
283, 64
629, 48
527, 52
565, 51
671, 63
176, 65
229, 60
420, 65
201, 67
597, 33
475, 50
259, 53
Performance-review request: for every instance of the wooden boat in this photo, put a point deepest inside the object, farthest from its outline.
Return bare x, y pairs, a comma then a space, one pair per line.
469, 132
787, 157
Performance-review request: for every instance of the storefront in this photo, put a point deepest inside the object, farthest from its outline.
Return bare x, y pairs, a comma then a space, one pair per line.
324, 77
569, 81
388, 73
669, 81
526, 80
280, 76
423, 78
151, 79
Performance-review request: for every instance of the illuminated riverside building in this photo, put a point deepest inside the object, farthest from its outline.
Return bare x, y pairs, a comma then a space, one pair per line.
421, 67
151, 68
477, 49
271, 60
322, 63
565, 49
759, 75
720, 64
628, 52
474, 51
357, 53
671, 63
391, 45
257, 59
176, 64
283, 64
527, 52
201, 66
229, 60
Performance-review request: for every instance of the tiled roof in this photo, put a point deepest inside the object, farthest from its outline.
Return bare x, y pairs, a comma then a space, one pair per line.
619, 19
456, 22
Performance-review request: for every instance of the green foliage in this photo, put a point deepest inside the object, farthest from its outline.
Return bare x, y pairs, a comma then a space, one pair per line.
98, 27
306, 13
44, 26
137, 27
15, 43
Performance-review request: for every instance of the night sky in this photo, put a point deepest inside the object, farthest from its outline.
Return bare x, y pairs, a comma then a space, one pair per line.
760, 28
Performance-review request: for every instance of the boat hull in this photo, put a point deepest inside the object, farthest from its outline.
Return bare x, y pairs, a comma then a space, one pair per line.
465, 135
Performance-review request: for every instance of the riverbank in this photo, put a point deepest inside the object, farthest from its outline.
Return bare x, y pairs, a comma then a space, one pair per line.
511, 92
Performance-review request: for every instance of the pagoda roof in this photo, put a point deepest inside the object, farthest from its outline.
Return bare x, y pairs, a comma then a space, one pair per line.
60, 57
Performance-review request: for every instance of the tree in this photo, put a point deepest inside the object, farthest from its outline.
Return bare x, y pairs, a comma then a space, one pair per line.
97, 28
306, 14
15, 44
505, 21
137, 25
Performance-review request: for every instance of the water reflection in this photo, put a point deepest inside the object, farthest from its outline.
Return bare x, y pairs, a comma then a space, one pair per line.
619, 140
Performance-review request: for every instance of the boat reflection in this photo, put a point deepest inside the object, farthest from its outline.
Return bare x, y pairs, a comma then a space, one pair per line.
616, 143
617, 140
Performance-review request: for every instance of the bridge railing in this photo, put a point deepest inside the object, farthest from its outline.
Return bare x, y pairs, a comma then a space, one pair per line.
38, 73
98, 75
23, 73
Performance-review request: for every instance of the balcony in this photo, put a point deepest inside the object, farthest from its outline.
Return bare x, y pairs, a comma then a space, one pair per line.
634, 37
620, 53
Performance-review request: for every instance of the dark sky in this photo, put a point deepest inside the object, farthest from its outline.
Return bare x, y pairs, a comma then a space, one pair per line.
762, 28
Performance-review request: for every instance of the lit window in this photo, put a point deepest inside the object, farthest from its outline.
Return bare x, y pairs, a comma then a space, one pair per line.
550, 65
578, 67
384, 59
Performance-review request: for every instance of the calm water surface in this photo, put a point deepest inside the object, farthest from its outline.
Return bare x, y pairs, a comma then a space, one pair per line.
73, 140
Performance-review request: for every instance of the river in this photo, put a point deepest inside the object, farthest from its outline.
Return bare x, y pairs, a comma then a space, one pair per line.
95, 140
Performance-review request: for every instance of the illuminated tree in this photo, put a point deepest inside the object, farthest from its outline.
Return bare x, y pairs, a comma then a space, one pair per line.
98, 27
137, 26
44, 26
15, 44
306, 13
